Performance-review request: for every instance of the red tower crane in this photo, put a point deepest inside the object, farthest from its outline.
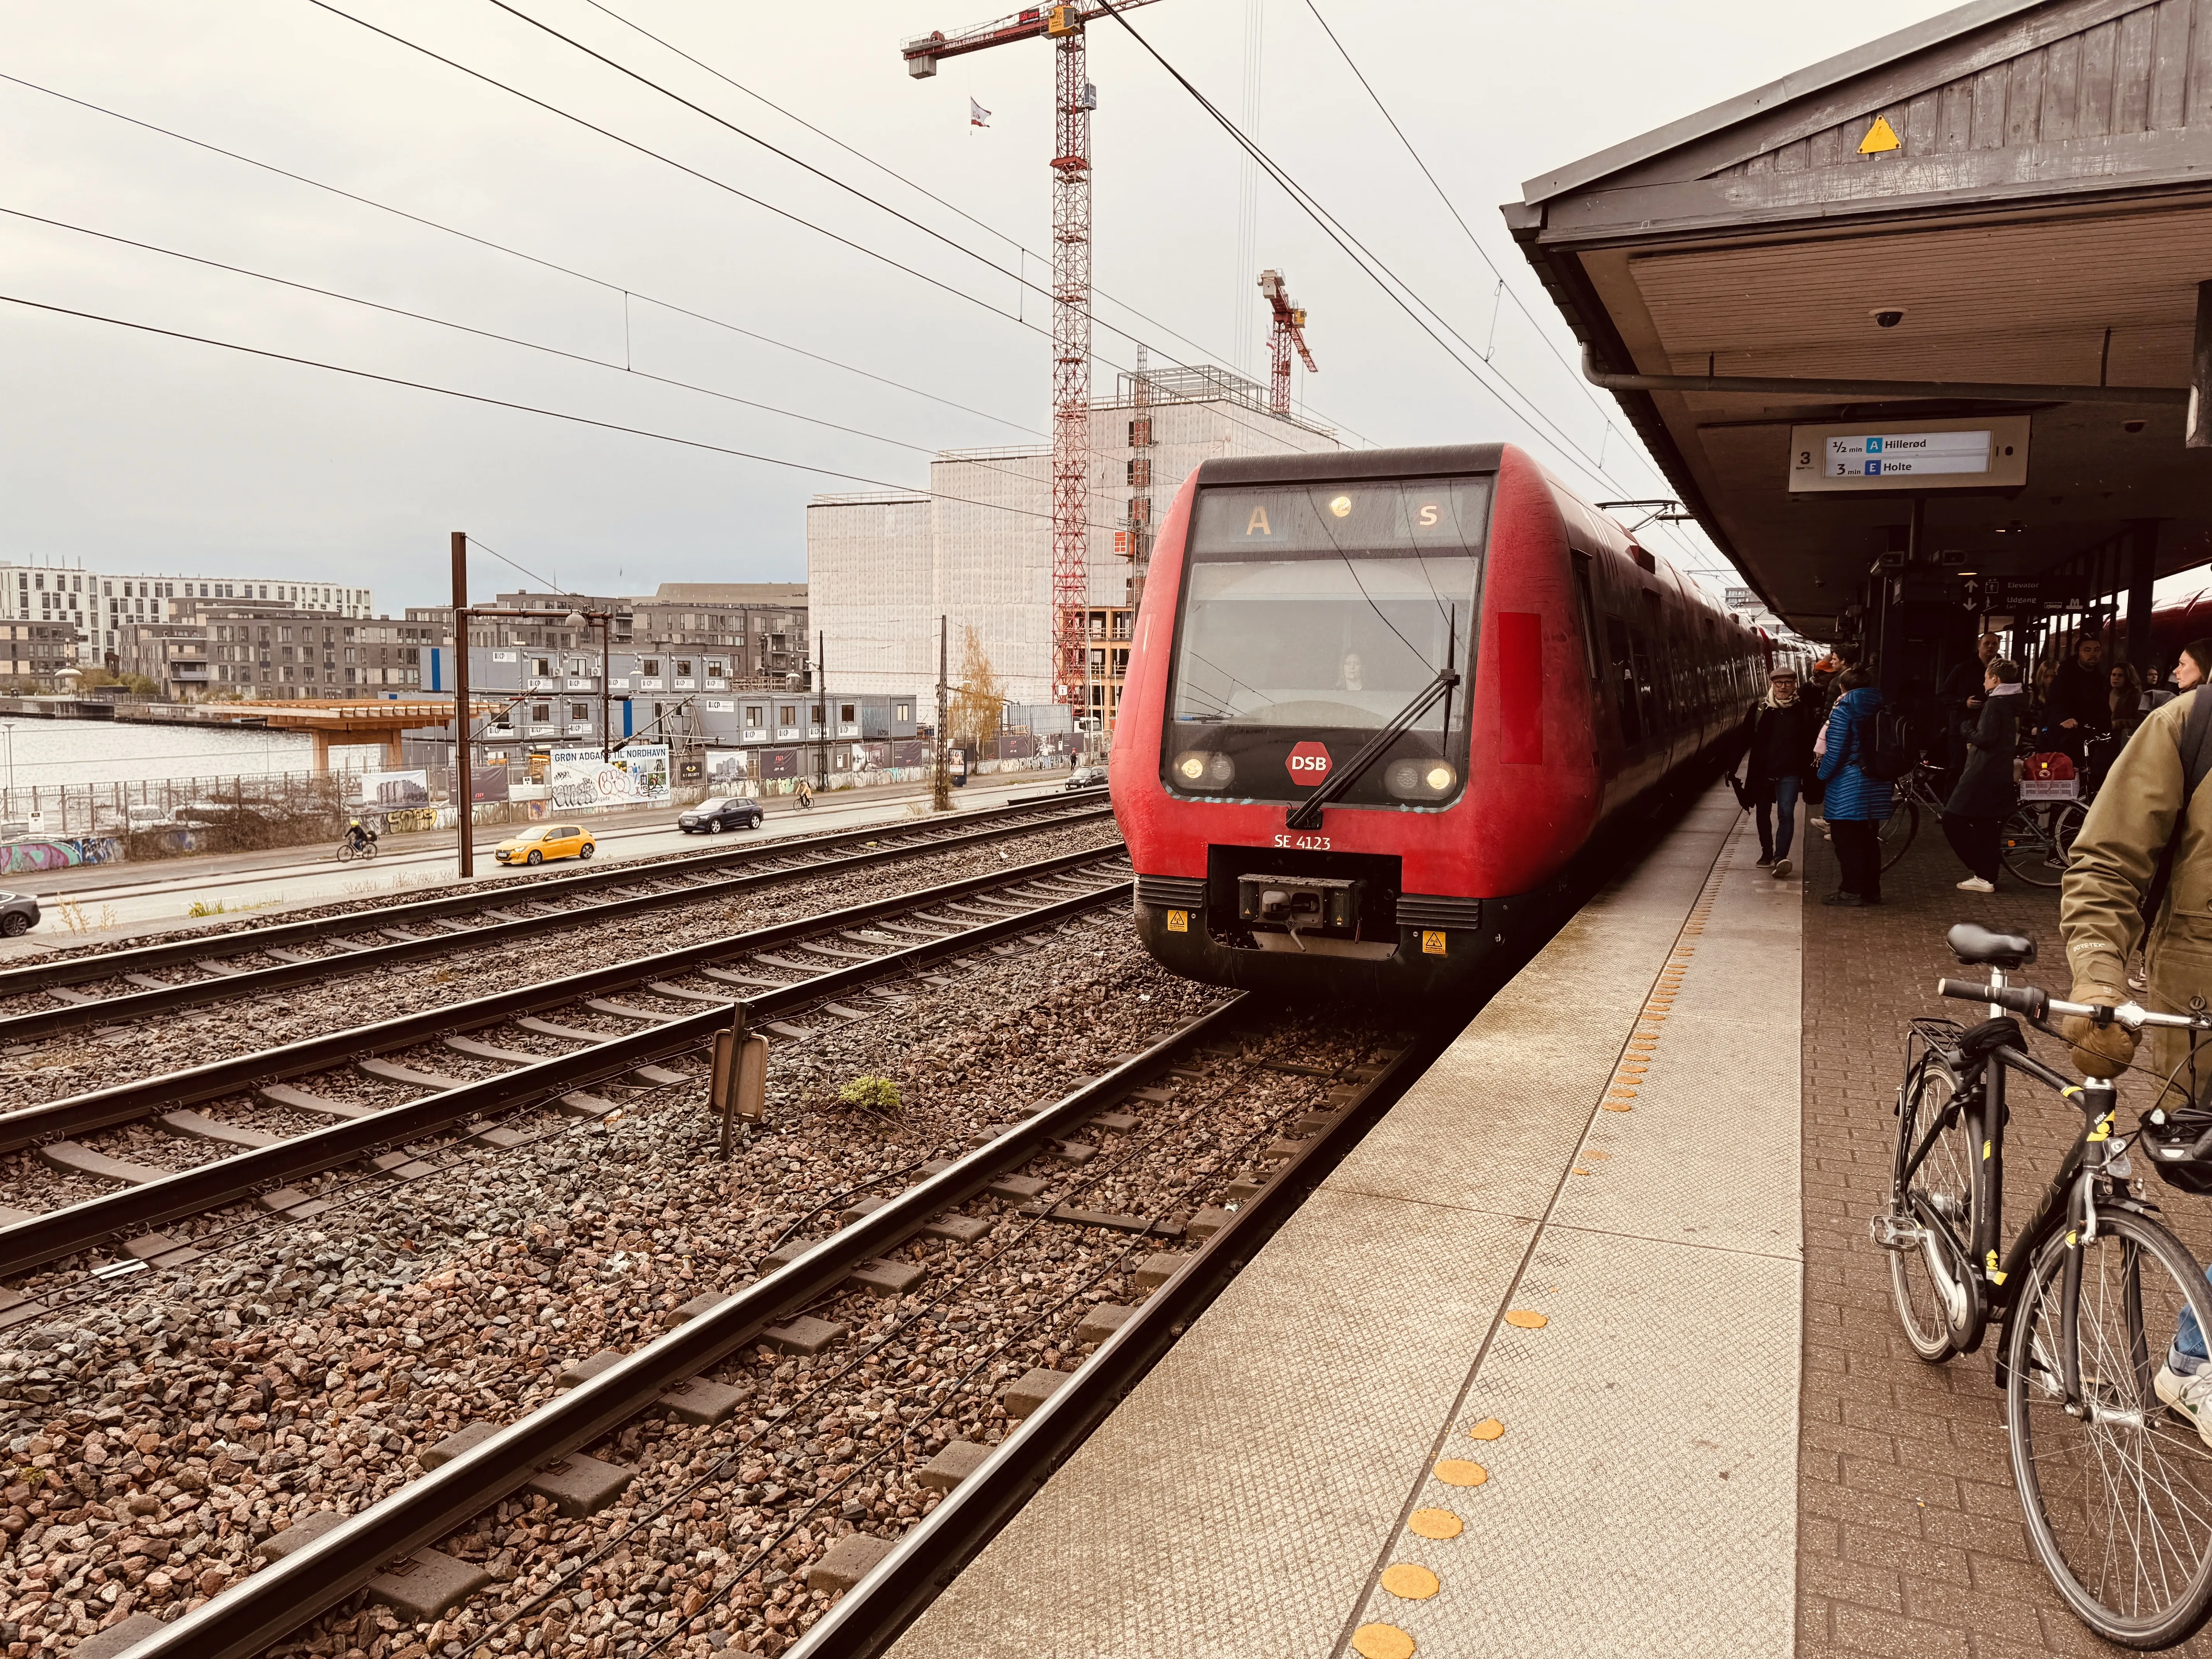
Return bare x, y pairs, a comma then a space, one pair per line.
1073, 101
1289, 330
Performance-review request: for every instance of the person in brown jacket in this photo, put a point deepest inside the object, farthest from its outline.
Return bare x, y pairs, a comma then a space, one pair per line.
2108, 880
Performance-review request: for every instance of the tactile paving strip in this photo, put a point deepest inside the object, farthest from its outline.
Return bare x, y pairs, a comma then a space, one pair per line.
1635, 1413
1235, 1503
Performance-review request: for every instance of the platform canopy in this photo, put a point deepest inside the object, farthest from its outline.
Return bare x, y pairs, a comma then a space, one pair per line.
2003, 213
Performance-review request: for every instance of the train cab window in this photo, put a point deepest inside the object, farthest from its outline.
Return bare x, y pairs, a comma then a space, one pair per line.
1622, 664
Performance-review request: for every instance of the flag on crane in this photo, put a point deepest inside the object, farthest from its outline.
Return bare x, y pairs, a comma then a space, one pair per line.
977, 115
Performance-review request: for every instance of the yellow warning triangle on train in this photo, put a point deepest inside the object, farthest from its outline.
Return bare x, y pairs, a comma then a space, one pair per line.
1880, 136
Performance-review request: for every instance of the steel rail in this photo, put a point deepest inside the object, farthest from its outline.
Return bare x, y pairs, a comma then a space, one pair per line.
128, 1103
290, 1593
200, 947
868, 1618
118, 1010
49, 1236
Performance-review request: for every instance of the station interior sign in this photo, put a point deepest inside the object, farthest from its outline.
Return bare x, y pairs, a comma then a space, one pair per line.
1987, 452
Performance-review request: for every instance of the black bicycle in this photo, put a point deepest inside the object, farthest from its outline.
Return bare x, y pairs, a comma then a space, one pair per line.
2089, 1296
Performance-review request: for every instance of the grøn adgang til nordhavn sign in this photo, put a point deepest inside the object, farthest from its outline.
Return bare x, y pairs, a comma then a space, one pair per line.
1990, 452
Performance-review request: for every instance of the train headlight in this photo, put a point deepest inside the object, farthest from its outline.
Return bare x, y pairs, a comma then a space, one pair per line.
1420, 780
1196, 769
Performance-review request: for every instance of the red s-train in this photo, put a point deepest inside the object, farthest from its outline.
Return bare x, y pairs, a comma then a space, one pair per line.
1377, 700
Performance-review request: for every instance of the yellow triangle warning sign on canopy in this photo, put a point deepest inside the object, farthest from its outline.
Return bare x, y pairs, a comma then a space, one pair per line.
1880, 136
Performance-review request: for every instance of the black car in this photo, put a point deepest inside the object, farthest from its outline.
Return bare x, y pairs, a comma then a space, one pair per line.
722, 812
19, 914
1087, 777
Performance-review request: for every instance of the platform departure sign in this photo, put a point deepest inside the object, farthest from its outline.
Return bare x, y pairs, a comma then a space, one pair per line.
1910, 455
1907, 454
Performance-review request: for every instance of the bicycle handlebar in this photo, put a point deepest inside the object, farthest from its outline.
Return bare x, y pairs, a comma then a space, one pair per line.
2039, 1005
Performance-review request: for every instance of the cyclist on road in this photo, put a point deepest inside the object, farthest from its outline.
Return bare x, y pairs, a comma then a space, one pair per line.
805, 795
2146, 813
358, 836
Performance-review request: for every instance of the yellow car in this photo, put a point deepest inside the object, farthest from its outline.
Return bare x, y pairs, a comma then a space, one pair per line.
548, 841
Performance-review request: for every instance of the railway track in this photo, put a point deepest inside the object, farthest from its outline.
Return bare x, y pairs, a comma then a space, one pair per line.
276, 956
676, 1002
940, 1241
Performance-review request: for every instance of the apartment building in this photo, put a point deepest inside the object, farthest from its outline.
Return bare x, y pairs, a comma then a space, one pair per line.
33, 653
101, 604
261, 652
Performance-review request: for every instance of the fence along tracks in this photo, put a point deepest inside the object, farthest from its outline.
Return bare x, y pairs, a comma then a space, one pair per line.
874, 941
324, 1569
499, 915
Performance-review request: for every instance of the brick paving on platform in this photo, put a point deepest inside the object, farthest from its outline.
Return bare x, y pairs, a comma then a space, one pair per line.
1911, 1539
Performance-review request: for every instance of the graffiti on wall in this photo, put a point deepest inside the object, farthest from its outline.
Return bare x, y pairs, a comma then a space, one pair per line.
62, 853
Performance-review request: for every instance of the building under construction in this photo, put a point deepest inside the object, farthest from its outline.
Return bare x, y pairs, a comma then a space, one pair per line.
977, 547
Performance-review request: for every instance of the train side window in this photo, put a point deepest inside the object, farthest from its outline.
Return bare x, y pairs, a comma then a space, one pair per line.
1589, 612
1654, 664
1618, 648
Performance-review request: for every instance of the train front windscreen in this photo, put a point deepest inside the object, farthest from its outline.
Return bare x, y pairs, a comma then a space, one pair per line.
1313, 617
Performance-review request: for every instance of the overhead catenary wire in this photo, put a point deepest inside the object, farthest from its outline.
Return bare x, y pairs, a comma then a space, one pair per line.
488, 334
1505, 287
511, 252
485, 399
1016, 319
1022, 249
1399, 292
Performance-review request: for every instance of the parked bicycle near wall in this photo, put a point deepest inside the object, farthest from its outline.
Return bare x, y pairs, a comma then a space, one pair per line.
2090, 1298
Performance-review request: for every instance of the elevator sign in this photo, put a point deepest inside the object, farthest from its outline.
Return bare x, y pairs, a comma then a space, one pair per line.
1909, 455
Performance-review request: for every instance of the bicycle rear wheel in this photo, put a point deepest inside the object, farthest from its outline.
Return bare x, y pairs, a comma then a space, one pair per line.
2029, 850
1897, 830
2118, 1500
1936, 1187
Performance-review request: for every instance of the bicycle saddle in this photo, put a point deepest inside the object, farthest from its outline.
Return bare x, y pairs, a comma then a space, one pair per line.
1977, 945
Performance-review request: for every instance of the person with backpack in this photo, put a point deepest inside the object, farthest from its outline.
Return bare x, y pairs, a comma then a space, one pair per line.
1858, 800
1974, 816
2140, 874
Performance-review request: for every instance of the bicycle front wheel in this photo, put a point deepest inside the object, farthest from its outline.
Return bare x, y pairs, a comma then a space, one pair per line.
1897, 830
2118, 1498
1935, 1188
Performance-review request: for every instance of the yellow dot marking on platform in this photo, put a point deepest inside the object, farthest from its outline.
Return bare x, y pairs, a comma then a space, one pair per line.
1617, 1106
1409, 1583
1580, 1170
1381, 1641
1434, 1524
1526, 1318
1595, 1152
1489, 1429
1458, 1472
1633, 1068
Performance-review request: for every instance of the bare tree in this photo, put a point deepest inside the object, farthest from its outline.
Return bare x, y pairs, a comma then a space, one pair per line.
978, 701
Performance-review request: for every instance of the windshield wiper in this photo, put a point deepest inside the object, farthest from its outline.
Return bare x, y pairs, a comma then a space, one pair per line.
1306, 814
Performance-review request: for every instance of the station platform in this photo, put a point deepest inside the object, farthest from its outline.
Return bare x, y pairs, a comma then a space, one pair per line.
1522, 1378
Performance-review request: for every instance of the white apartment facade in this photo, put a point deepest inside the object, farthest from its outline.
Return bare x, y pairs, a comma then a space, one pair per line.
99, 604
976, 547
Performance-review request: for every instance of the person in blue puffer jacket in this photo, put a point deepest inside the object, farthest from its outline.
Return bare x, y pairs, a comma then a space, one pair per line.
1857, 805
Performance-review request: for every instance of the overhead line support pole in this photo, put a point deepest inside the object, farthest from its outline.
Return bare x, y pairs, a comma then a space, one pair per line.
464, 790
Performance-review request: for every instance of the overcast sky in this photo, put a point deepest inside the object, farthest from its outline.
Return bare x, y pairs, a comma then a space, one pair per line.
127, 450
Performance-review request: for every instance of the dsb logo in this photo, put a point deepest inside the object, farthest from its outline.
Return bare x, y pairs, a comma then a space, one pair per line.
1309, 764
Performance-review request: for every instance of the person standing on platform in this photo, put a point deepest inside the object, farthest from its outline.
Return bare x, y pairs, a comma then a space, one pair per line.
2144, 855
2078, 706
1986, 793
1775, 765
2127, 703
1857, 804
1961, 695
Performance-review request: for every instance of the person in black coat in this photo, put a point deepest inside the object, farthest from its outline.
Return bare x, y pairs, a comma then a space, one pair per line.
1778, 760
1962, 694
2079, 704
1973, 818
